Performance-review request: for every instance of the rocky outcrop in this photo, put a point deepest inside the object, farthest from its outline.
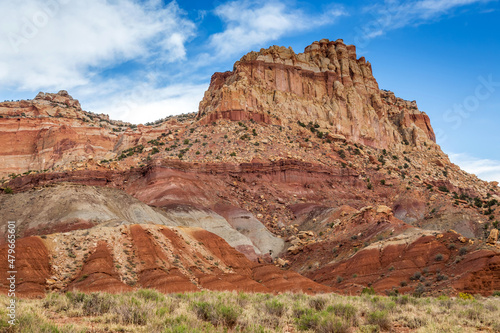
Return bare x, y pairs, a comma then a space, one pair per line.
31, 262
52, 130
415, 262
118, 259
62, 97
327, 84
98, 273
493, 237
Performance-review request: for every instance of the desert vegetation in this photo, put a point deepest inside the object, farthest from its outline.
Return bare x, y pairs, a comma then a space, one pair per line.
151, 311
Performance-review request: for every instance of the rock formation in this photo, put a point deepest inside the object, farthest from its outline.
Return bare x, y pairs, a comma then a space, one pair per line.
326, 84
493, 237
294, 159
119, 259
52, 130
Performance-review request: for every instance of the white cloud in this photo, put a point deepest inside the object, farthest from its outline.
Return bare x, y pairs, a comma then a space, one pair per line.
141, 103
124, 57
432, 7
60, 44
484, 168
395, 14
254, 23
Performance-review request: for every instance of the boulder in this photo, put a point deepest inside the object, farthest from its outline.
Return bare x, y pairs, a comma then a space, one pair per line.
493, 238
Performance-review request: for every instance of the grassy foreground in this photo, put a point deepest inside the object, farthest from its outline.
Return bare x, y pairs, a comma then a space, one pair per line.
150, 311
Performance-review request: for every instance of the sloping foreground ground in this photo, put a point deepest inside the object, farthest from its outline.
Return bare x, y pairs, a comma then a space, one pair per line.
118, 259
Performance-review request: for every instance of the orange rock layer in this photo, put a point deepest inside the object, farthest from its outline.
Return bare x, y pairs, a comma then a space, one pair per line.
326, 84
166, 259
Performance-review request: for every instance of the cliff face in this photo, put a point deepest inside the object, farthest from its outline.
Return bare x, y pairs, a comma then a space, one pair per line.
326, 84
53, 130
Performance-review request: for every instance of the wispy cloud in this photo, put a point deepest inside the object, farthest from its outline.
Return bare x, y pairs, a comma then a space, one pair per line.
60, 44
396, 14
484, 168
253, 23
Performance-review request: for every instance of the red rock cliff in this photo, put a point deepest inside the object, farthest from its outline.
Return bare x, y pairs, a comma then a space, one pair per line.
326, 84
53, 130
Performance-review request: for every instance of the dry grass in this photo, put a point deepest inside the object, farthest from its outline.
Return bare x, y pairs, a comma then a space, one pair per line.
150, 311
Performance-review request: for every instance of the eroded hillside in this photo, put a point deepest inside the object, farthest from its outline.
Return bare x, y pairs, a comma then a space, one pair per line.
299, 160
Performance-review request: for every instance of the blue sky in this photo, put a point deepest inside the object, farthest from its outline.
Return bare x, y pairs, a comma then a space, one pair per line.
143, 60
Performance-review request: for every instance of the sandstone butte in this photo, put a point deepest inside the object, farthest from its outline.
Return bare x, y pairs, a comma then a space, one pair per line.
297, 174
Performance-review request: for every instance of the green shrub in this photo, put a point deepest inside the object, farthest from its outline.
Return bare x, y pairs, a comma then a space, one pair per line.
317, 303
419, 291
56, 302
379, 318
368, 291
275, 308
227, 315
97, 304
203, 310
131, 311
150, 295
307, 320
332, 325
402, 300
478, 202
441, 277
217, 314
321, 322
416, 276
345, 311
34, 323
443, 189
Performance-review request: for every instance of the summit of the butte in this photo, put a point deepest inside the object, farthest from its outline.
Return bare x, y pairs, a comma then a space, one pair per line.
327, 84
297, 173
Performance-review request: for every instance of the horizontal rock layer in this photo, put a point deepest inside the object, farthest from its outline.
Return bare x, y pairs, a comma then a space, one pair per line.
326, 84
